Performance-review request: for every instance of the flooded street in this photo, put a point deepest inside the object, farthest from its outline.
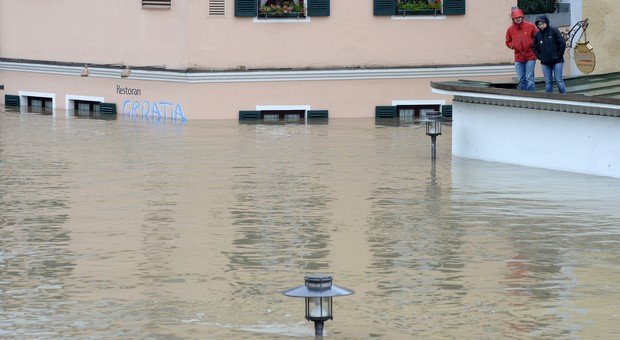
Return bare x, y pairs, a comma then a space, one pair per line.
140, 229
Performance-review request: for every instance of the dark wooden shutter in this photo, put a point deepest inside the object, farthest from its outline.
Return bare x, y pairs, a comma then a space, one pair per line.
446, 111
246, 8
317, 114
245, 115
453, 7
384, 7
385, 112
156, 4
11, 100
318, 8
107, 108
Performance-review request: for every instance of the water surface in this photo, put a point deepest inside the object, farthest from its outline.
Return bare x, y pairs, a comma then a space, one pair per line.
133, 229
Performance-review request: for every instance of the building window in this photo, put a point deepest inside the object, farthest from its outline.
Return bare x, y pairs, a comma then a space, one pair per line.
406, 111
40, 104
85, 107
418, 7
156, 4
282, 9
415, 111
277, 114
284, 115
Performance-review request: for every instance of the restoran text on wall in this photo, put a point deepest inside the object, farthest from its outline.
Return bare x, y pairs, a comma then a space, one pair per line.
156, 109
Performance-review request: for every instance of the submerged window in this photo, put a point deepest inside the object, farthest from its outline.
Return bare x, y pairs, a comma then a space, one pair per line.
284, 115
85, 107
415, 111
40, 104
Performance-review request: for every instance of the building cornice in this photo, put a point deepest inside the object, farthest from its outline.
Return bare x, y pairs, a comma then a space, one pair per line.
264, 76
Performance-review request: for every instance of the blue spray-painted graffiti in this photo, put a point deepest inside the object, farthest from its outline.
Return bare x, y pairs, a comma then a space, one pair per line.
156, 110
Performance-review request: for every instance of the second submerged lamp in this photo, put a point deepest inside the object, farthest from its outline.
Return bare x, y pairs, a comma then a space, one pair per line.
318, 291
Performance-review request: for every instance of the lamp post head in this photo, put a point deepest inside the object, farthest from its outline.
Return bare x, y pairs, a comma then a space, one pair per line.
433, 122
318, 291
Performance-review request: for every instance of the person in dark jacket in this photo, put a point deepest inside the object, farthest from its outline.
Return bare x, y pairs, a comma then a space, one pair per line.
519, 38
549, 46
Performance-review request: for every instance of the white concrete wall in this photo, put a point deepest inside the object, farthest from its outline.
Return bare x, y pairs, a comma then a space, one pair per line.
588, 144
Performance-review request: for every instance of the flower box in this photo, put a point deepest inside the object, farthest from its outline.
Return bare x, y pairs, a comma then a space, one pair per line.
291, 15
419, 12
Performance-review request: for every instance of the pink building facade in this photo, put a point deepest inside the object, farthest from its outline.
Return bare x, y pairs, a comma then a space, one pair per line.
212, 59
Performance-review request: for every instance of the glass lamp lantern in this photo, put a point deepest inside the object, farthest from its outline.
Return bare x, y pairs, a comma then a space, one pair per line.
318, 292
433, 122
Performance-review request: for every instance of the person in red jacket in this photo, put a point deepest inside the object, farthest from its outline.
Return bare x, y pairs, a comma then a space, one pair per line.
519, 37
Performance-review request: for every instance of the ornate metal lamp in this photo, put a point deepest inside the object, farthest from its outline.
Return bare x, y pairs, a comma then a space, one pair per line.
318, 291
433, 122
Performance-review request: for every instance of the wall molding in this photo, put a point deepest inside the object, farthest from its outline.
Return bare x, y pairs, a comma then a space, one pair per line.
266, 76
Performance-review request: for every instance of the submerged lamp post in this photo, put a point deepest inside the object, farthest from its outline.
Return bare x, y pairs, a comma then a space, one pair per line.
433, 122
318, 291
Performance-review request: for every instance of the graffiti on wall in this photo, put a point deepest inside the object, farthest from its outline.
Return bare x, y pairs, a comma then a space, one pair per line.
157, 109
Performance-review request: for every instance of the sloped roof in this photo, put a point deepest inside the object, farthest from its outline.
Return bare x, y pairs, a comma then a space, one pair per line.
596, 89
597, 94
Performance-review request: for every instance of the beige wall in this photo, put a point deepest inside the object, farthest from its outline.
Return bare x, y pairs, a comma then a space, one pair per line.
106, 32
603, 33
351, 36
343, 98
114, 31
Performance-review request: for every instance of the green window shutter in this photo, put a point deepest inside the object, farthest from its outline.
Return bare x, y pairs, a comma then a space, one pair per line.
446, 111
107, 108
245, 115
318, 8
385, 112
385, 7
453, 7
11, 100
246, 8
316, 114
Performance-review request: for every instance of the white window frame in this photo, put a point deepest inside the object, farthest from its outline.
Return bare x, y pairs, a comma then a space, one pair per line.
306, 108
23, 98
418, 103
70, 98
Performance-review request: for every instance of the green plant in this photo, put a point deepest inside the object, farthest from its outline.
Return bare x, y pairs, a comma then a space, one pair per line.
537, 6
283, 7
418, 5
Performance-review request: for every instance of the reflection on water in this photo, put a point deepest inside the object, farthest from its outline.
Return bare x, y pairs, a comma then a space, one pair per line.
136, 228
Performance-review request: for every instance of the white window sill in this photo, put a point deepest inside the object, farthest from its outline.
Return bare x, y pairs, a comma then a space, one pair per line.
276, 21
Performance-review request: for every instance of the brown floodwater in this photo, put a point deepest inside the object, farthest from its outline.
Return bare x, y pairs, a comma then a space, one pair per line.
147, 229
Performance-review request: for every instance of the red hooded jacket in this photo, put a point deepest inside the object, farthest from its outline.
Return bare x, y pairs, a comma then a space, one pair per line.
519, 38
